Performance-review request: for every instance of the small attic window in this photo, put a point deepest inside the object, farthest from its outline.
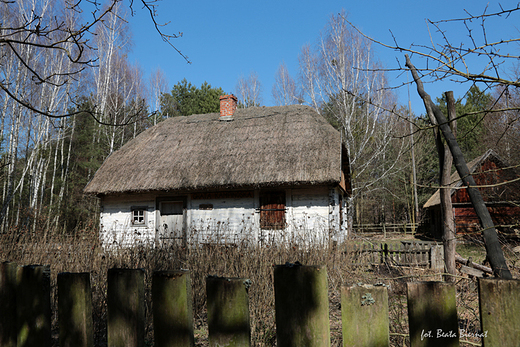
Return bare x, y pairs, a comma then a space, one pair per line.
139, 215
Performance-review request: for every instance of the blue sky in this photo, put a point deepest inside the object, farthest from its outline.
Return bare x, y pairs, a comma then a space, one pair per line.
227, 39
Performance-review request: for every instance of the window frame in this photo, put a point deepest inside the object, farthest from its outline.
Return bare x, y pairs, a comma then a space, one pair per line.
138, 209
272, 216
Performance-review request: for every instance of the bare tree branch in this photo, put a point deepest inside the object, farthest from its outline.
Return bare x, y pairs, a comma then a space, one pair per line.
152, 10
450, 60
56, 34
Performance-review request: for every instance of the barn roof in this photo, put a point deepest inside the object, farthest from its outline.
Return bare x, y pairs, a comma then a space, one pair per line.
260, 147
455, 180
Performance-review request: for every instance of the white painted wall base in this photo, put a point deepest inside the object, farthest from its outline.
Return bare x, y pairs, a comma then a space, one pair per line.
313, 215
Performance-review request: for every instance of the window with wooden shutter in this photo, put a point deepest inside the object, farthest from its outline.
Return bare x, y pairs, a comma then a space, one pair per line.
272, 210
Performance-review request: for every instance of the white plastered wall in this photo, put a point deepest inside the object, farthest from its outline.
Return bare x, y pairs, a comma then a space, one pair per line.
312, 216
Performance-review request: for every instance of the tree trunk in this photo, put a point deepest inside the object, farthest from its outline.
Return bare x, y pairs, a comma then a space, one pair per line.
448, 230
493, 250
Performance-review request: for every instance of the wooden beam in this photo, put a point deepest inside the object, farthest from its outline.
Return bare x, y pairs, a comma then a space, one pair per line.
471, 271
464, 261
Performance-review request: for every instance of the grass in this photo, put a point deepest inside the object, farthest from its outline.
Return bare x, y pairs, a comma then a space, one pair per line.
476, 251
81, 252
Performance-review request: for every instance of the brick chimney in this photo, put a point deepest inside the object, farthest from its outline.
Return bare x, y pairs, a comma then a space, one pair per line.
228, 105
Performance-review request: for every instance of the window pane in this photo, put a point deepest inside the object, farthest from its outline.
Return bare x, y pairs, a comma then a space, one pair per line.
138, 216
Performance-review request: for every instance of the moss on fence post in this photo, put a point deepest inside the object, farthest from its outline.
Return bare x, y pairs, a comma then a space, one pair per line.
75, 310
125, 306
172, 308
228, 311
499, 302
364, 316
302, 305
8, 304
33, 306
432, 314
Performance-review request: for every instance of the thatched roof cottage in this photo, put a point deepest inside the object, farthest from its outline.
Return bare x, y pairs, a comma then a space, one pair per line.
244, 175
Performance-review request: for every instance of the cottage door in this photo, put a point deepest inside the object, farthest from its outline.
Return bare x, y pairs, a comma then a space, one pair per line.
171, 223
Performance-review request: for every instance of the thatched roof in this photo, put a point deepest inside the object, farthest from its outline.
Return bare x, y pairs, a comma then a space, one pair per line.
455, 180
261, 146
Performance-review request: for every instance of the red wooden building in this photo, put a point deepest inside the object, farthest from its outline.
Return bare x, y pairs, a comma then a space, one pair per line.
499, 185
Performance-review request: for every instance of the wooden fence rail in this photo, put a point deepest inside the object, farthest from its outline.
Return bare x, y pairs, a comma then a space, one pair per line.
301, 303
429, 254
384, 228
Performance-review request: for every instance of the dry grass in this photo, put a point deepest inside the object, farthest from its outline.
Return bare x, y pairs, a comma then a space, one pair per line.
81, 252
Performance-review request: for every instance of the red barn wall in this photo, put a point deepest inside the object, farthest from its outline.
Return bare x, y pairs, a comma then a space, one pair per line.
498, 197
466, 220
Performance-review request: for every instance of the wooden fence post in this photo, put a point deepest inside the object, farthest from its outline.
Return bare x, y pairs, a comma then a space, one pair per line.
228, 311
172, 309
499, 302
8, 304
437, 257
33, 306
125, 306
75, 310
432, 314
364, 316
302, 305
385, 252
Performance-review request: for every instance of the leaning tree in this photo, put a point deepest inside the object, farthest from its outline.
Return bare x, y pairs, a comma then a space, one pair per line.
484, 58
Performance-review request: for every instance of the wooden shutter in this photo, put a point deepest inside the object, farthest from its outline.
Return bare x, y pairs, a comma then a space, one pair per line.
272, 210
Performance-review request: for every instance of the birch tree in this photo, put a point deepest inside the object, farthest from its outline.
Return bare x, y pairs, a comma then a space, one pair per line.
48, 57
342, 80
285, 91
158, 86
56, 34
118, 84
32, 128
249, 90
44, 53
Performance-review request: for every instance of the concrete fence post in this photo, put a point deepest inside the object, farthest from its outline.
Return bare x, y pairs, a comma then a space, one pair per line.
499, 302
8, 304
302, 305
172, 309
33, 306
125, 306
364, 316
432, 314
228, 311
75, 310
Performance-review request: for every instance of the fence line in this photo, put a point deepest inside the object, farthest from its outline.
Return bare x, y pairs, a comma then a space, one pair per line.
302, 312
406, 228
429, 254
